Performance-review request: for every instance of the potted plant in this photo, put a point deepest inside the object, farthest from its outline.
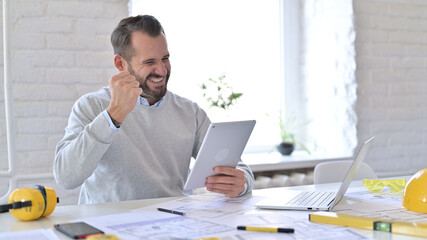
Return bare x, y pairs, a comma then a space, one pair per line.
219, 93
288, 137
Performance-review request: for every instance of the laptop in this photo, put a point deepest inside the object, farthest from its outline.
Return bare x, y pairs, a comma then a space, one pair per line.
317, 200
223, 145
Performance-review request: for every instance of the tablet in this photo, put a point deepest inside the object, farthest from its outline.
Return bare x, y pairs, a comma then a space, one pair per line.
223, 145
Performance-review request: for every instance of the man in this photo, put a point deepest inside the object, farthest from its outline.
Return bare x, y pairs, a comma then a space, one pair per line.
134, 139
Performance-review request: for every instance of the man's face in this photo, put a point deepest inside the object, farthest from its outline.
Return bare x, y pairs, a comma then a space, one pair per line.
150, 65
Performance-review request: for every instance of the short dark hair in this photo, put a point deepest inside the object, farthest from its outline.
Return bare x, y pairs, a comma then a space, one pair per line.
121, 36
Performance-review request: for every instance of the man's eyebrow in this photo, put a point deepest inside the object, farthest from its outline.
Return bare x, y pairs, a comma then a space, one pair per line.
150, 60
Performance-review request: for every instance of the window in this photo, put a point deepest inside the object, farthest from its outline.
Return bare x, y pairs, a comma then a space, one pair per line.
297, 56
240, 39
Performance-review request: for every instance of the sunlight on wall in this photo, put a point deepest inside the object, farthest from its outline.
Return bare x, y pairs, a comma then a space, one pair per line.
329, 73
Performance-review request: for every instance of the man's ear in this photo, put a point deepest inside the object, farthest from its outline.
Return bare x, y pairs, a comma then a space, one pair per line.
120, 63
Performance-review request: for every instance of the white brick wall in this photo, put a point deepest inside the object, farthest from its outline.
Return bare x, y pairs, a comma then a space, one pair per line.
391, 55
60, 50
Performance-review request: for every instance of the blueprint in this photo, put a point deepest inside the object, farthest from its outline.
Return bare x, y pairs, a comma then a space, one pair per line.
213, 215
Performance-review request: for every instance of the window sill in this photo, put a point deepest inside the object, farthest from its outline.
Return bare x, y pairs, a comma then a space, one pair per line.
274, 161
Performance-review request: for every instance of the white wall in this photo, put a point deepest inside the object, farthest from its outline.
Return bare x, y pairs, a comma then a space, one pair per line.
60, 50
391, 57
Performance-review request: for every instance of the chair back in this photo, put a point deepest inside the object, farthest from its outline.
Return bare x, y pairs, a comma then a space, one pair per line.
335, 171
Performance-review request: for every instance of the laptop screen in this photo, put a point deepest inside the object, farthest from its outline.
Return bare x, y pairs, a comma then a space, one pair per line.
351, 172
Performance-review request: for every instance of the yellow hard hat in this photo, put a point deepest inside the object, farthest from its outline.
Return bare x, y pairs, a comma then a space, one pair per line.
415, 193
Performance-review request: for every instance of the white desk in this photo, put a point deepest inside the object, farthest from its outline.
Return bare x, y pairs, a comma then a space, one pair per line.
68, 213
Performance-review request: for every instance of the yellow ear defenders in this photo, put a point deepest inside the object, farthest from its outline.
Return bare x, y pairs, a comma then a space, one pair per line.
31, 203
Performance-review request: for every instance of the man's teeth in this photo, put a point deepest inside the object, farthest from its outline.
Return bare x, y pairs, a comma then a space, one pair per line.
156, 80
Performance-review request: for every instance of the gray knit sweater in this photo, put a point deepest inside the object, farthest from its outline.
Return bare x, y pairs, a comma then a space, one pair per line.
148, 157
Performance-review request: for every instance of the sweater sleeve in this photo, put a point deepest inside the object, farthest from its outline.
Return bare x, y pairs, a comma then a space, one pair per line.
87, 137
249, 177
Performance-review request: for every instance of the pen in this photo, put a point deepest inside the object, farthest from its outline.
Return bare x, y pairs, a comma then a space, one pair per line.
171, 211
266, 229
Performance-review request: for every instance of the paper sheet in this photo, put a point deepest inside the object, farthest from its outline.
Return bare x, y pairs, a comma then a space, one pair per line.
211, 206
386, 205
39, 234
288, 219
152, 224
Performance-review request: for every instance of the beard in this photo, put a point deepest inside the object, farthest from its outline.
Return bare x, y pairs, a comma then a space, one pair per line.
158, 92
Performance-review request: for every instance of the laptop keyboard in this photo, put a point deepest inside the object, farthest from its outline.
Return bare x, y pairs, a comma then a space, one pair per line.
312, 199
